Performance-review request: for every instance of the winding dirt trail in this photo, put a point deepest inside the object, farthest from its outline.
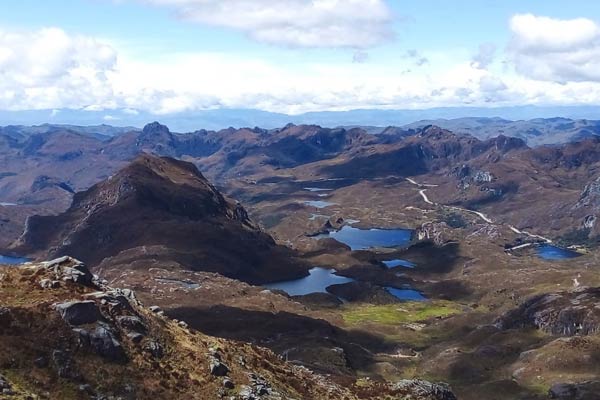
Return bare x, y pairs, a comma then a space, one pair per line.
481, 215
425, 198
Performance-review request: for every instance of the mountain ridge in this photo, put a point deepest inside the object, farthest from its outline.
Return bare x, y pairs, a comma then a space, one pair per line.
167, 204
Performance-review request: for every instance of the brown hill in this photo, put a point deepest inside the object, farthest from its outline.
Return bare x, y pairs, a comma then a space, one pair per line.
160, 209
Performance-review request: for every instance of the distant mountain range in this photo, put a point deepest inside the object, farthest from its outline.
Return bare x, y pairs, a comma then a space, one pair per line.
239, 118
46, 169
535, 132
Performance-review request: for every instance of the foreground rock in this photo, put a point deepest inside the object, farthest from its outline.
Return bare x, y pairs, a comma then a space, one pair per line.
79, 312
105, 344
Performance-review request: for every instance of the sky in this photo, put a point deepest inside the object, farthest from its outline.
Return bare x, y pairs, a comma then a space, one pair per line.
295, 56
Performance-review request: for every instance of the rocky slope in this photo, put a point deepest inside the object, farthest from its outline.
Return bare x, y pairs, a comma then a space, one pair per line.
562, 314
160, 210
105, 344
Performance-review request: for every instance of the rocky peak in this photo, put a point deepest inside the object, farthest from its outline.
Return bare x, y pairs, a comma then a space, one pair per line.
155, 129
158, 139
163, 184
505, 144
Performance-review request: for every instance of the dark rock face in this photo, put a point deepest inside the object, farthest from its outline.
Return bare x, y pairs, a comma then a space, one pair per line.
217, 368
43, 182
131, 323
563, 314
104, 343
416, 389
575, 391
79, 312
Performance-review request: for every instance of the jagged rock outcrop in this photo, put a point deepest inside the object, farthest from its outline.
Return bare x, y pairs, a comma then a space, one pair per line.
562, 314
438, 233
79, 312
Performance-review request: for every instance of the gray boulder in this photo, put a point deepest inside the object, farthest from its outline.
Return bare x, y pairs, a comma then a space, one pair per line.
49, 284
131, 323
79, 312
69, 269
155, 349
103, 342
217, 368
416, 389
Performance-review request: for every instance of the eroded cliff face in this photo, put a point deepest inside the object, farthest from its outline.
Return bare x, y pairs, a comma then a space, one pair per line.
561, 314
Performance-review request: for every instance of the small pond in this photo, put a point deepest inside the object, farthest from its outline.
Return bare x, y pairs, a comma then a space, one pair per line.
317, 282
399, 263
406, 294
554, 253
362, 239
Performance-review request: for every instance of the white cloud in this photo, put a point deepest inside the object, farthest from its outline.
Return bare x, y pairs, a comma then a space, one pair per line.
295, 23
551, 49
418, 59
360, 57
48, 68
51, 69
485, 55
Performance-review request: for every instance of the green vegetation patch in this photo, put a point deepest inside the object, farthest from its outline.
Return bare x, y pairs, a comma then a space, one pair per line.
409, 312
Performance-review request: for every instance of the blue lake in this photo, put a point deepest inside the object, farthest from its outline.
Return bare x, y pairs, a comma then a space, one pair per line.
553, 253
406, 294
317, 282
399, 263
6, 260
362, 239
